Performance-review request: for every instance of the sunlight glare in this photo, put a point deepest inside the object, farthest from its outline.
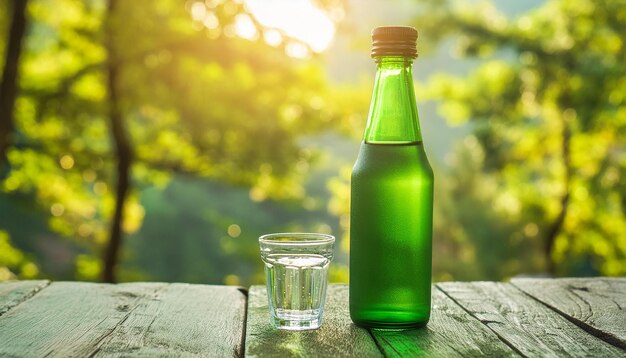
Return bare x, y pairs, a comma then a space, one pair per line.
299, 19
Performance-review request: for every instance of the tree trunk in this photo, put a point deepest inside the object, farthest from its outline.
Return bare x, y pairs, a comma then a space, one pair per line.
556, 227
123, 154
9, 86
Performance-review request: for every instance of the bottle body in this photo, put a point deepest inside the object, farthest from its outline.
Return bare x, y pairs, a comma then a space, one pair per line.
390, 236
391, 205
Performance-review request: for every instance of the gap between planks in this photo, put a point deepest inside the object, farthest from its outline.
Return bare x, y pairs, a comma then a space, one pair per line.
522, 323
542, 290
245, 292
483, 322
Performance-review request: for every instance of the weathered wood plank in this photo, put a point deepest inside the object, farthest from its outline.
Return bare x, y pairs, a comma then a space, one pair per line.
15, 292
337, 337
451, 332
597, 305
82, 319
524, 323
67, 319
182, 320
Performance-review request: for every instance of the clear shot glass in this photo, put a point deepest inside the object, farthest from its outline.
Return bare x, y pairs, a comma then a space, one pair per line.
296, 272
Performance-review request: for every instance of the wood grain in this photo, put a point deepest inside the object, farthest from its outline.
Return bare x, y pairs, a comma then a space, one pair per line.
83, 319
451, 332
337, 337
182, 320
597, 305
524, 323
13, 293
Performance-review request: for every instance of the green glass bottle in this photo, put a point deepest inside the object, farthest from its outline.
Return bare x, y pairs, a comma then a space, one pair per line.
392, 197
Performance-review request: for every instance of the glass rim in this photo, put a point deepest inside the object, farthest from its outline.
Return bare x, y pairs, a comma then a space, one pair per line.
301, 238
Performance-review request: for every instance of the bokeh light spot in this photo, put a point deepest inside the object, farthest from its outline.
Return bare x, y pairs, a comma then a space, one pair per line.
531, 230
325, 229
67, 162
84, 230
198, 11
211, 21
272, 37
296, 50
89, 176
57, 209
100, 188
234, 230
232, 280
244, 27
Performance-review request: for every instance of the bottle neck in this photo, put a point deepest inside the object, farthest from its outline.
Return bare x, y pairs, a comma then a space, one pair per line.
393, 117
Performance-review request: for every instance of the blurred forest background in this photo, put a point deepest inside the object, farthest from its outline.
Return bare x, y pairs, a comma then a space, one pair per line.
156, 140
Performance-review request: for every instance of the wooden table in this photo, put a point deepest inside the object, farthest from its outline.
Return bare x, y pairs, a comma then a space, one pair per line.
528, 317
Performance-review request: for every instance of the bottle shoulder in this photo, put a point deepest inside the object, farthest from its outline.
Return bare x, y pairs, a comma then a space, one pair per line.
405, 159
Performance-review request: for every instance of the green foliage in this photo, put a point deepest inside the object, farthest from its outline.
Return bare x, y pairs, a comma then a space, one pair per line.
13, 263
197, 100
547, 150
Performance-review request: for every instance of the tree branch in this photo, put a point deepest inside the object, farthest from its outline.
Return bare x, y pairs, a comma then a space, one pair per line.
123, 152
8, 86
557, 226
